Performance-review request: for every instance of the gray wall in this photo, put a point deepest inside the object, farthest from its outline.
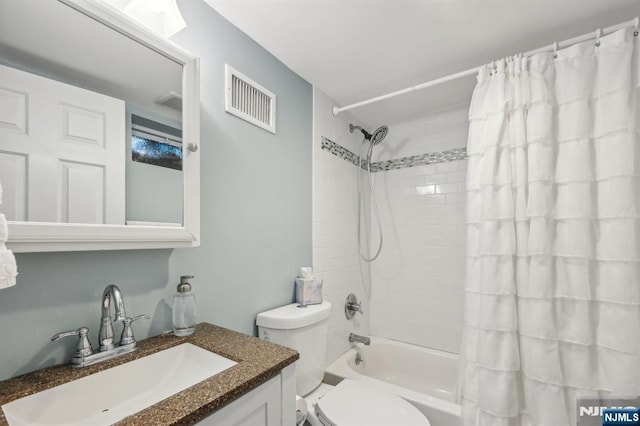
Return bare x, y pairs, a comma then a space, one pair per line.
256, 220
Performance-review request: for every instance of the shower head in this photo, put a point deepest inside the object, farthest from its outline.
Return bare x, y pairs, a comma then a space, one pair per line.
376, 137
379, 134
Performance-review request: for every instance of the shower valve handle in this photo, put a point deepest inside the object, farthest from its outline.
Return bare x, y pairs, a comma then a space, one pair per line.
351, 306
356, 307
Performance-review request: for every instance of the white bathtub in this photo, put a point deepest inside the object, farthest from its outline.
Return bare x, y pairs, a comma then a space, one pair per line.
424, 377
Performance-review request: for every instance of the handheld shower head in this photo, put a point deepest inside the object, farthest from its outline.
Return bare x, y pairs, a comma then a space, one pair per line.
379, 134
376, 137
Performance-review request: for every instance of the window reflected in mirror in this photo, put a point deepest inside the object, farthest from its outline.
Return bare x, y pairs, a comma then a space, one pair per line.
154, 166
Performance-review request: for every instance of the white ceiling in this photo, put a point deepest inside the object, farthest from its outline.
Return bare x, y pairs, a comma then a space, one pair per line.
357, 49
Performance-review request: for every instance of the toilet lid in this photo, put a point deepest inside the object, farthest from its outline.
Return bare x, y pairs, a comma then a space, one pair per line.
354, 402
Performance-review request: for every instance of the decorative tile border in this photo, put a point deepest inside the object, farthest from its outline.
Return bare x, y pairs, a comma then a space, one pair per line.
400, 163
341, 152
421, 160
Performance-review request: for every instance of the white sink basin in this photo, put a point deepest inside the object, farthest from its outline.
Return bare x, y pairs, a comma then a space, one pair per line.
108, 396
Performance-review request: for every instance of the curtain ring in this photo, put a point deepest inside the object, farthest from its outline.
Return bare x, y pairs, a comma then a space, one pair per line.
598, 34
636, 26
555, 50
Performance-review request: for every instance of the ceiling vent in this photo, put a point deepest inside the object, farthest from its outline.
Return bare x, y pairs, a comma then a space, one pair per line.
171, 100
250, 101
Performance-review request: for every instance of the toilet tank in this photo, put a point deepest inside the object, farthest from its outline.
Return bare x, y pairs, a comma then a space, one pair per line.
305, 330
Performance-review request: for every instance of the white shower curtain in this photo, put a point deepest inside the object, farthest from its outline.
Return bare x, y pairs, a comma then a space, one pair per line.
552, 294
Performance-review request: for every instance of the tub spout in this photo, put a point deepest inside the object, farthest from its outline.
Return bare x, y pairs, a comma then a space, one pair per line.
356, 338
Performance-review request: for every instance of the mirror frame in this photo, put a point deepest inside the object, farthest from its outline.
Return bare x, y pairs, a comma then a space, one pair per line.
46, 236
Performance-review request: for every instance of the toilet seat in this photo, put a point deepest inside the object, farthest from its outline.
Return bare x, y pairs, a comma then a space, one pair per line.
356, 403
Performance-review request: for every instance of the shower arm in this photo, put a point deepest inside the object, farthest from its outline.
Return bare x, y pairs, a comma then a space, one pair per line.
366, 134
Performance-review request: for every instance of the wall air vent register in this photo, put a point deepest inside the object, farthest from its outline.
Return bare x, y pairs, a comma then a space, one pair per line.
249, 101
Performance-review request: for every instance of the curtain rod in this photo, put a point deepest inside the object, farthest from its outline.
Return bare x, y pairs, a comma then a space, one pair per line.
472, 71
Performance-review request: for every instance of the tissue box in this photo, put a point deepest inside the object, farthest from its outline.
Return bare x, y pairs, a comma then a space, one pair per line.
308, 291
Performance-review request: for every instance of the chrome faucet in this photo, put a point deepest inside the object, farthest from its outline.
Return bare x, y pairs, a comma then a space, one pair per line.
356, 338
84, 355
106, 336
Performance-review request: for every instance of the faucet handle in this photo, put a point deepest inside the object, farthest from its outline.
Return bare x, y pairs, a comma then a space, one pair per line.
351, 306
83, 347
357, 307
127, 332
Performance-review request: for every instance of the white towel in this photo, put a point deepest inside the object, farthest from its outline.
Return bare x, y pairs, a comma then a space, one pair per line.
8, 267
4, 229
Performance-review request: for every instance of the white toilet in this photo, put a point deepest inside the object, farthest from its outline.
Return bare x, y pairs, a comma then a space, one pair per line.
351, 402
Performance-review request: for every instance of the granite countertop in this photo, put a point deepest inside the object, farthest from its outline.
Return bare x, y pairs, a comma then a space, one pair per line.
258, 361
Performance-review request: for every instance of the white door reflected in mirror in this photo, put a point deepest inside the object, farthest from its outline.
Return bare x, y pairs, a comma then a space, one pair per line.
64, 166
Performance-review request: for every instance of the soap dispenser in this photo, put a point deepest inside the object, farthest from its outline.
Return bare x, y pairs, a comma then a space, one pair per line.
184, 308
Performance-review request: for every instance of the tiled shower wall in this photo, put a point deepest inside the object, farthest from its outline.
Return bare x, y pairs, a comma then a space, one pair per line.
418, 279
335, 250
413, 291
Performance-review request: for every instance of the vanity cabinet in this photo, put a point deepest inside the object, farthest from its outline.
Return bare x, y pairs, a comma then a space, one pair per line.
259, 389
270, 404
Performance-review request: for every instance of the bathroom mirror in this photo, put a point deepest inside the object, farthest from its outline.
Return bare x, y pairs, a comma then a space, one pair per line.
99, 131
